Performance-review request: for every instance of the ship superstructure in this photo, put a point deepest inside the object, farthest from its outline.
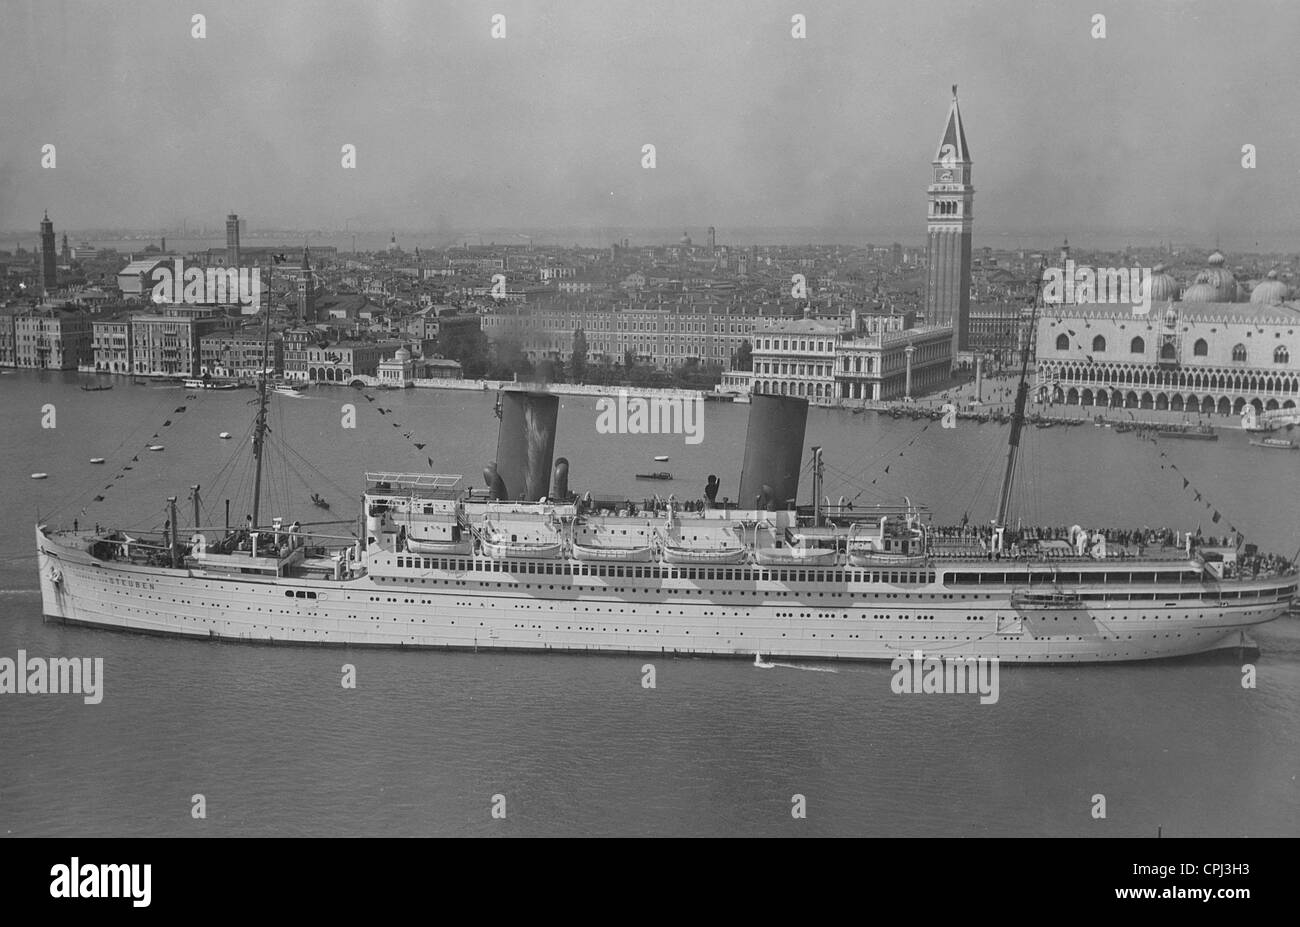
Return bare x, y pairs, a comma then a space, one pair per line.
526, 563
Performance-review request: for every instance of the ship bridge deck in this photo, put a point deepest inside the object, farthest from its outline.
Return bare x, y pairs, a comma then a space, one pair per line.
413, 485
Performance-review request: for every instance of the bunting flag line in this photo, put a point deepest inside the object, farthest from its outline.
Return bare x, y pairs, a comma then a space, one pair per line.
135, 458
409, 434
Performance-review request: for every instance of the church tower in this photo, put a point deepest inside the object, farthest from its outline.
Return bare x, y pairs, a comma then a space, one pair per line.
49, 257
306, 291
948, 227
232, 240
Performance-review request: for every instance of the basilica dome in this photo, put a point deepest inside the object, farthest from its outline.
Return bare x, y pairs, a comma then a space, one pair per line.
1215, 284
1201, 292
1161, 286
1270, 291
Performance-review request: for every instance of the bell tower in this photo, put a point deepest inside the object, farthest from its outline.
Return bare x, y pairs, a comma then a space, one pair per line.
306, 290
948, 228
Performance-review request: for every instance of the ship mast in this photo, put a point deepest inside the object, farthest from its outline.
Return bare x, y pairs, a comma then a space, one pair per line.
259, 429
1018, 416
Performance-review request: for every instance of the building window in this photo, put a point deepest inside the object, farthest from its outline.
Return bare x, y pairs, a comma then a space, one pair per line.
1239, 353
1200, 349
1281, 355
1098, 344
1062, 342
1137, 346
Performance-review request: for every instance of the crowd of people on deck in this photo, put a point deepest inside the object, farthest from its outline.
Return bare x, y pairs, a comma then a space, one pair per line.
1123, 537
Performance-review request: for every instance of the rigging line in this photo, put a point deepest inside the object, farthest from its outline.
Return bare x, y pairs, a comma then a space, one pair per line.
860, 473
967, 491
982, 476
891, 452
977, 496
86, 498
847, 479
1192, 485
222, 479
316, 470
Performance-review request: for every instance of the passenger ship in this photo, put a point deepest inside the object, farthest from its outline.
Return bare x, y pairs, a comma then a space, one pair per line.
526, 564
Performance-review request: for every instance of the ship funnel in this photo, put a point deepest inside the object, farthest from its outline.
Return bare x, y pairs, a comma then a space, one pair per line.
773, 451
560, 480
526, 443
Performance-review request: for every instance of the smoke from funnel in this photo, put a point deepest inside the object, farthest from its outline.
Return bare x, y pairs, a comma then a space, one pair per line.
773, 450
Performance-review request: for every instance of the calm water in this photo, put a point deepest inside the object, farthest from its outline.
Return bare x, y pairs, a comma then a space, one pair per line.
575, 744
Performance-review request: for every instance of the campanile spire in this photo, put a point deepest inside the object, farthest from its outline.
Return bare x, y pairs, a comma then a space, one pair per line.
948, 227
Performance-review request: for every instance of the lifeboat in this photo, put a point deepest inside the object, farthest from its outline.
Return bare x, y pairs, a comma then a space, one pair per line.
867, 557
447, 548
603, 553
522, 550
794, 555
707, 555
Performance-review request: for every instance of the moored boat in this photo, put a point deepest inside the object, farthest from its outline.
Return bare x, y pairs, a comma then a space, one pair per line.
1277, 444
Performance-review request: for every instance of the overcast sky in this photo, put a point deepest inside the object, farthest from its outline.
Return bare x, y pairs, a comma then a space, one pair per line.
1141, 130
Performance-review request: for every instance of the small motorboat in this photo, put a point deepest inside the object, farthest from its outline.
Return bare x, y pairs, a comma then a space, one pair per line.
225, 435
661, 458
758, 661
659, 475
96, 389
97, 460
319, 501
155, 447
39, 476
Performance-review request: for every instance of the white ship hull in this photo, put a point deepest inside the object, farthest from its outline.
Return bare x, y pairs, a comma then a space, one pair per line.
393, 607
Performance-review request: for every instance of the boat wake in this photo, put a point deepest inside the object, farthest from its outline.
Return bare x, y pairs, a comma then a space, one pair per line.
758, 662
810, 669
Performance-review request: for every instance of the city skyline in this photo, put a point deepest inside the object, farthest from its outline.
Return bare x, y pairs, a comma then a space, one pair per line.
752, 128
